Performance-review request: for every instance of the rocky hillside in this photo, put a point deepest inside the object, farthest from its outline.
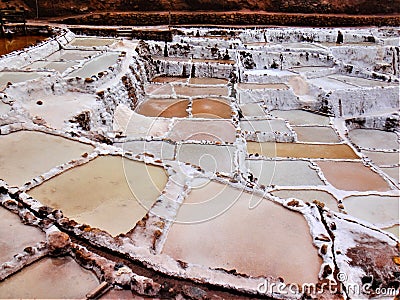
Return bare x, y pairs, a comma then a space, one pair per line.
50, 8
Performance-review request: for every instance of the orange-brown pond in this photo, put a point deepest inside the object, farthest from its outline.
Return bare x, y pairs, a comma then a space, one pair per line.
15, 236
211, 108
50, 278
8, 45
352, 176
27, 154
109, 192
166, 108
248, 240
297, 150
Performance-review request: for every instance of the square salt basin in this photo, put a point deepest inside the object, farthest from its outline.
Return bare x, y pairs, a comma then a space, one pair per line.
352, 176
378, 210
25, 155
252, 110
265, 126
193, 91
164, 107
211, 158
301, 117
54, 278
15, 236
316, 134
210, 108
211, 130
226, 236
284, 173
297, 150
309, 196
110, 193
374, 139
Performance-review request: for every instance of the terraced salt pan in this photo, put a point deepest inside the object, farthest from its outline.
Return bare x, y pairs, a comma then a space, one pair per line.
262, 86
210, 130
167, 108
297, 150
57, 110
328, 84
15, 236
25, 155
383, 158
393, 173
169, 79
4, 108
135, 125
59, 66
252, 110
301, 117
316, 134
18, 77
96, 65
378, 139
352, 176
192, 91
54, 278
378, 210
211, 158
309, 196
159, 149
91, 42
211, 108
299, 85
284, 173
265, 126
110, 193
235, 230
157, 90
67, 55
361, 82
308, 68
207, 81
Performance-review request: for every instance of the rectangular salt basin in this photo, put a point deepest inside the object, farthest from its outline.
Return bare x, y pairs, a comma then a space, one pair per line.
383, 158
361, 82
59, 66
96, 65
164, 107
392, 173
207, 81
169, 79
265, 126
252, 110
211, 108
231, 219
301, 117
211, 158
55, 278
158, 89
66, 55
18, 77
374, 139
221, 131
192, 91
91, 42
110, 193
15, 236
262, 86
160, 149
284, 173
25, 155
297, 150
352, 176
316, 134
328, 84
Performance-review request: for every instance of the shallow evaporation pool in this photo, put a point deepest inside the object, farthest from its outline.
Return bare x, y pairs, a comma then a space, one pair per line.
91, 42
378, 210
18, 77
316, 134
25, 155
235, 229
309, 196
273, 125
110, 192
164, 107
97, 65
284, 173
361, 82
328, 83
392, 173
4, 108
57, 110
8, 45
158, 89
169, 79
59, 66
160, 149
261, 86
210, 130
352, 176
67, 55
308, 68
301, 117
192, 91
214, 61
15, 236
211, 158
210, 108
252, 110
299, 150
383, 158
371, 138
207, 81
56, 278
